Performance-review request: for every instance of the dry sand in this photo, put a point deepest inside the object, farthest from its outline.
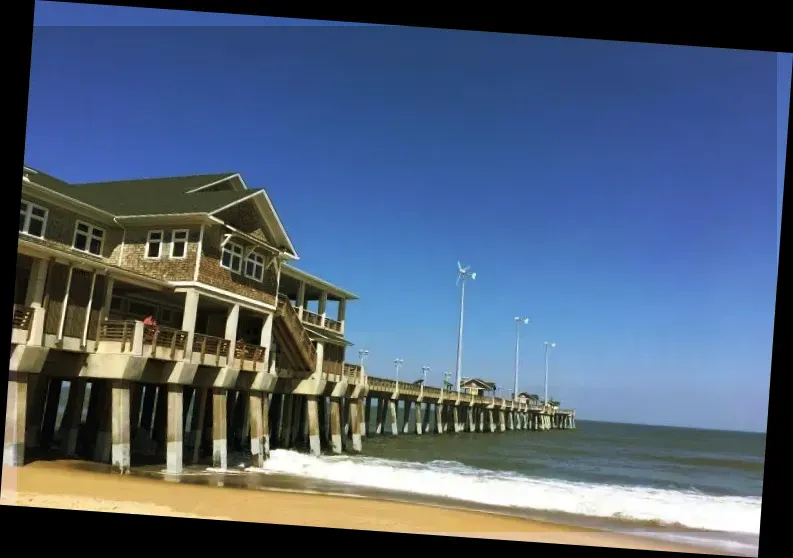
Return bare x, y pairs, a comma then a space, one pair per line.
59, 485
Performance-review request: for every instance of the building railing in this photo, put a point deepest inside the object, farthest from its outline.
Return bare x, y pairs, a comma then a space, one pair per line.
210, 348
246, 353
312, 318
168, 338
332, 325
22, 317
352, 372
119, 331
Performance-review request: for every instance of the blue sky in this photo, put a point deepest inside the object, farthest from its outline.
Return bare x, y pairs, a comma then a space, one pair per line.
622, 195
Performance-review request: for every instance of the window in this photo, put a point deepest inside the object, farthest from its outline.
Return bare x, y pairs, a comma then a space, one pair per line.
254, 266
88, 238
153, 245
32, 219
179, 244
231, 257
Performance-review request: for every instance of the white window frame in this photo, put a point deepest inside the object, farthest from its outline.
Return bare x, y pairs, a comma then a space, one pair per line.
160, 242
89, 236
258, 260
29, 215
174, 232
233, 249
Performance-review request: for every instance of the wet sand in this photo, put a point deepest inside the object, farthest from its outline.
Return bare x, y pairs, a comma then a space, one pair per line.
64, 485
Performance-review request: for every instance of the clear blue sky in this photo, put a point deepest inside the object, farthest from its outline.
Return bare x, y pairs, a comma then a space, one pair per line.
622, 195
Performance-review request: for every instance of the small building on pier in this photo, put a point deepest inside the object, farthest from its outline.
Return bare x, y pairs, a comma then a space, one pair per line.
475, 386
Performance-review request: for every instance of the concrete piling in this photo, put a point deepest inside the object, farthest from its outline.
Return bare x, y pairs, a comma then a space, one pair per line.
219, 436
174, 404
355, 425
70, 425
392, 416
313, 426
120, 426
256, 421
16, 418
335, 425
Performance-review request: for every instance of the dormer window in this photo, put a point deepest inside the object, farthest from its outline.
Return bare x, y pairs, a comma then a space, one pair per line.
254, 266
231, 257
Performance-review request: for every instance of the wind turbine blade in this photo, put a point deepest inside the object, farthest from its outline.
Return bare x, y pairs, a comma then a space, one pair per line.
459, 266
473, 275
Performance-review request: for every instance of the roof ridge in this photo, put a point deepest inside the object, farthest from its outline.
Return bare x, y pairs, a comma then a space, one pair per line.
155, 178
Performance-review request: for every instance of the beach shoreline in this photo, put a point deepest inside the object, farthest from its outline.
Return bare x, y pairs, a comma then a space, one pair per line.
67, 485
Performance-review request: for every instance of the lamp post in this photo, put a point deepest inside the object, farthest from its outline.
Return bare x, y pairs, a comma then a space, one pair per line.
398, 364
363, 354
463, 274
424, 370
518, 321
546, 346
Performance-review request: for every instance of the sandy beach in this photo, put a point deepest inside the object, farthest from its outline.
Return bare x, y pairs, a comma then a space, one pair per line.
61, 485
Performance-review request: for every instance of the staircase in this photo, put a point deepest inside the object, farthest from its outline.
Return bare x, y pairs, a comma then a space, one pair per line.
292, 338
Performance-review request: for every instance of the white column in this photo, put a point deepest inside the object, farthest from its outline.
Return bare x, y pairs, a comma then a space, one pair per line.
342, 312
301, 299
65, 304
320, 358
88, 309
38, 279
323, 307
232, 321
266, 338
189, 318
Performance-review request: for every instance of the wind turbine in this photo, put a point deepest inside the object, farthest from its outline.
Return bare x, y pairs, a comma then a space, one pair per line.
463, 273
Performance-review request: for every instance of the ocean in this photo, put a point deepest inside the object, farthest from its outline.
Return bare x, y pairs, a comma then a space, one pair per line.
685, 485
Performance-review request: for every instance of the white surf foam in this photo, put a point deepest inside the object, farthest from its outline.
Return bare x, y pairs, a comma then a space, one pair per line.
453, 480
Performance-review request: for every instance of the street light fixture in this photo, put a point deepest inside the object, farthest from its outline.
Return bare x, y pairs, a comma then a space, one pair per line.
398, 364
463, 274
546, 346
424, 370
363, 354
518, 321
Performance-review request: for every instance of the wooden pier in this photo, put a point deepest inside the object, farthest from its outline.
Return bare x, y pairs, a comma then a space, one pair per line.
236, 360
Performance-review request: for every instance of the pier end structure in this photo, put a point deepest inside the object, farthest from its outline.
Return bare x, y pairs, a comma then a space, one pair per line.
208, 258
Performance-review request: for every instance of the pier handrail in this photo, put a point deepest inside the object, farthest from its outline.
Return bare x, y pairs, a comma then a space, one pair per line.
312, 317
247, 352
333, 325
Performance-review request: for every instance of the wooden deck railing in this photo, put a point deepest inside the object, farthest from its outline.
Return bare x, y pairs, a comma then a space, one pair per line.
352, 371
332, 325
312, 317
120, 331
210, 348
245, 352
299, 333
23, 315
168, 338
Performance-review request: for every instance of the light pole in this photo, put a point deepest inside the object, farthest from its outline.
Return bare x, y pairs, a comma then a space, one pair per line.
463, 273
547, 345
398, 364
518, 321
446, 376
424, 370
363, 354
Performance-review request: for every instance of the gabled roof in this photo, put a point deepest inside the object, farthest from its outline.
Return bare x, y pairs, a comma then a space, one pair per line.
175, 195
529, 396
480, 383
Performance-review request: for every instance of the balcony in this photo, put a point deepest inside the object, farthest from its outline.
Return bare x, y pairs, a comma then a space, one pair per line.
131, 336
312, 318
21, 324
332, 325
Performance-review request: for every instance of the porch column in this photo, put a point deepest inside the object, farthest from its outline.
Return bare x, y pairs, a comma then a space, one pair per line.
175, 428
342, 312
320, 358
313, 425
189, 318
301, 298
120, 450
323, 303
16, 409
265, 340
65, 304
232, 323
87, 320
34, 298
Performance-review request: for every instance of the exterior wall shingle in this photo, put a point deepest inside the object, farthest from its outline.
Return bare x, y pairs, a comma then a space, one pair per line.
211, 273
165, 267
245, 216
